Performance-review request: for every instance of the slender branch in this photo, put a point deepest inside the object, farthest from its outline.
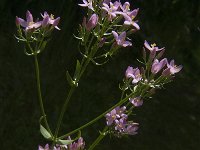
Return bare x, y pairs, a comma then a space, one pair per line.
97, 118
37, 72
99, 138
63, 110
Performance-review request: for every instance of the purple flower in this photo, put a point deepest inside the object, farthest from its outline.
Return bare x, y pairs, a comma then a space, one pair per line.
172, 69
87, 3
45, 148
77, 146
153, 47
131, 128
114, 114
137, 101
28, 24
129, 18
91, 23
121, 39
112, 10
126, 7
49, 20
120, 124
134, 74
157, 66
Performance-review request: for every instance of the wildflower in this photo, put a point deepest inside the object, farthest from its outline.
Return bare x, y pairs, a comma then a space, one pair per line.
28, 24
131, 129
45, 148
157, 66
129, 18
87, 3
114, 114
120, 39
152, 47
49, 19
134, 74
120, 124
112, 10
91, 23
137, 101
172, 69
126, 7
77, 146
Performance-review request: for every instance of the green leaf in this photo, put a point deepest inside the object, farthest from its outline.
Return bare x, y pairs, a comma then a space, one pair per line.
44, 132
78, 69
65, 142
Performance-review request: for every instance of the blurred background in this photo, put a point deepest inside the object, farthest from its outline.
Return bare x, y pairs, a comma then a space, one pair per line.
169, 121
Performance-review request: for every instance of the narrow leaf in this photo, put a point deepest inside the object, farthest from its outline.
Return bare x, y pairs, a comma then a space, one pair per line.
44, 132
65, 142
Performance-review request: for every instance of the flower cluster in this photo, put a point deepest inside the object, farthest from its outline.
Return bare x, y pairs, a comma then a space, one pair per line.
79, 145
118, 119
109, 24
169, 67
141, 83
35, 34
29, 24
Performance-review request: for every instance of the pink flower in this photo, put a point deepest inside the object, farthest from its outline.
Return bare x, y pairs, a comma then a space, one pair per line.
158, 65
93, 21
121, 39
49, 20
28, 24
87, 3
172, 69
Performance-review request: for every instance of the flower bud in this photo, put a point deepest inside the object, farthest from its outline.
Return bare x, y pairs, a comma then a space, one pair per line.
17, 21
92, 22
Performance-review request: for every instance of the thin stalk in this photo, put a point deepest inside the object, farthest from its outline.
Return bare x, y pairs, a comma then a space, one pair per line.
99, 138
37, 71
63, 110
97, 118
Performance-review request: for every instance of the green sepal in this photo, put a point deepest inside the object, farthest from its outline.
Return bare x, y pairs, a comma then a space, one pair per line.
45, 133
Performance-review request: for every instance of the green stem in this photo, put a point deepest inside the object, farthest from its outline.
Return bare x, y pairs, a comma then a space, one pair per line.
97, 118
40, 94
99, 138
63, 110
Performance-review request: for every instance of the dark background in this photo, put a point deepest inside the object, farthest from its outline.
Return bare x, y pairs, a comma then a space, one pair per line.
169, 121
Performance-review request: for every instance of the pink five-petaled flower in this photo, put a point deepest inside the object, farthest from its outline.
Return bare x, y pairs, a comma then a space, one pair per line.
112, 10
134, 74
137, 101
92, 22
129, 18
87, 3
49, 20
172, 69
152, 47
158, 65
121, 39
28, 24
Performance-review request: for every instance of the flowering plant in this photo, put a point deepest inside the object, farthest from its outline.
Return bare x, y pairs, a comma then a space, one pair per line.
104, 31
